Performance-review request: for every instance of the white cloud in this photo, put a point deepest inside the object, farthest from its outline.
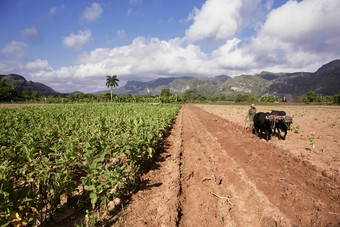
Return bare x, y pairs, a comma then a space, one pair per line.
54, 10
217, 19
92, 13
230, 56
30, 34
144, 59
76, 41
10, 67
37, 66
298, 36
312, 25
15, 49
129, 11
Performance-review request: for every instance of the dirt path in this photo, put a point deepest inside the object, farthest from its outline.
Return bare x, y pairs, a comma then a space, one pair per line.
214, 173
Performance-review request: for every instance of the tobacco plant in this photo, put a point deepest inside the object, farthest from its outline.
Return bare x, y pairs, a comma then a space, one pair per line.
49, 151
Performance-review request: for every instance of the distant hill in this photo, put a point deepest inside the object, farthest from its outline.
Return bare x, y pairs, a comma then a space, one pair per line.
325, 81
153, 87
19, 83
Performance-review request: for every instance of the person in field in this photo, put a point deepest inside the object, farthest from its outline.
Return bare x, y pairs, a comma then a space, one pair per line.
250, 117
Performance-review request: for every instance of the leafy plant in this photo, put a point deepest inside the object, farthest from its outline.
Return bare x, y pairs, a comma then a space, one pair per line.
296, 129
48, 151
312, 143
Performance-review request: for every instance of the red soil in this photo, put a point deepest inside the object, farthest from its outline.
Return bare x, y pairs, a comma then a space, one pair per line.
215, 173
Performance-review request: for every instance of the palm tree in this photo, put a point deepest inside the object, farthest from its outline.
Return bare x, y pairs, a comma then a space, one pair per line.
111, 81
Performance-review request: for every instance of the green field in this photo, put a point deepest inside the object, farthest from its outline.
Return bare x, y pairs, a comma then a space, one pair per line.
51, 151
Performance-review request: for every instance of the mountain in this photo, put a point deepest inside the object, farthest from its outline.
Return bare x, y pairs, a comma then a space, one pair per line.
153, 87
325, 81
203, 86
19, 83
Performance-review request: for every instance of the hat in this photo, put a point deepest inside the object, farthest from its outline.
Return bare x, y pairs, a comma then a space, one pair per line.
252, 105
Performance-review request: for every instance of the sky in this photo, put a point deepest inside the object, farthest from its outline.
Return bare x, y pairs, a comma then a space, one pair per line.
72, 45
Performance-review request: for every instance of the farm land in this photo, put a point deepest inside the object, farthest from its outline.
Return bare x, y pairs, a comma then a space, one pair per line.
214, 172
209, 171
314, 135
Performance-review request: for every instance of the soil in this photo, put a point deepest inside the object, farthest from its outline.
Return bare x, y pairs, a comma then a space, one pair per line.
214, 172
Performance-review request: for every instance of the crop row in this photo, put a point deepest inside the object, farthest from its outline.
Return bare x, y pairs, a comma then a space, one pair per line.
47, 152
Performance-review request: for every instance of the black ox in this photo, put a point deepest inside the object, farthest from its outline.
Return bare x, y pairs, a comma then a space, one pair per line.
263, 122
282, 123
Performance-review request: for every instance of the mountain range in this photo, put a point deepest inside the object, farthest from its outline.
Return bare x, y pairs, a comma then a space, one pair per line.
325, 81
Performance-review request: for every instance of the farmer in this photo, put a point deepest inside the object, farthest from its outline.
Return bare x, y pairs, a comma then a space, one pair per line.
250, 116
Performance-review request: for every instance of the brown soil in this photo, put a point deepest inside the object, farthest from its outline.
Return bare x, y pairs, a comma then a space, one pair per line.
215, 173
15, 105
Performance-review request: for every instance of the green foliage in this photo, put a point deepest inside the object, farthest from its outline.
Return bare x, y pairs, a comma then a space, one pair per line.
315, 98
244, 98
296, 129
7, 92
166, 92
48, 151
189, 96
270, 98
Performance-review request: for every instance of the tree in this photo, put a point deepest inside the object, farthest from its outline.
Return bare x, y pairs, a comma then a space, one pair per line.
166, 92
111, 81
7, 92
244, 98
189, 95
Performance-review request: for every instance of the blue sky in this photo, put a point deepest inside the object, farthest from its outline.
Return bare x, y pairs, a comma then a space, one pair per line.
72, 45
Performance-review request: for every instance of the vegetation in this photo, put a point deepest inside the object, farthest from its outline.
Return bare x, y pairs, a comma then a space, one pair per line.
47, 152
7, 92
314, 98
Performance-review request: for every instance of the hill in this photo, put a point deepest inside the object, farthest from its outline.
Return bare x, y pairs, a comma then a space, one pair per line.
325, 81
153, 87
19, 83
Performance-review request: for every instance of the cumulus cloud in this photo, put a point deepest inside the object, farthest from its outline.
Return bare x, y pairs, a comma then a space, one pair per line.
308, 24
30, 34
230, 56
76, 41
93, 12
217, 19
146, 58
15, 49
298, 36
37, 66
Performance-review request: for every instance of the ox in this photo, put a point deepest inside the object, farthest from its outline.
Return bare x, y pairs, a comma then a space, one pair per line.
282, 123
263, 122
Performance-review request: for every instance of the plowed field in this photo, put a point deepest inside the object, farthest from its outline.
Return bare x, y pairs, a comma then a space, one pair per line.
213, 172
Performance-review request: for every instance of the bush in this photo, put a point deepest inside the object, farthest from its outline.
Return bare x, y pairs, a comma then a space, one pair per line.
244, 98
7, 93
270, 98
